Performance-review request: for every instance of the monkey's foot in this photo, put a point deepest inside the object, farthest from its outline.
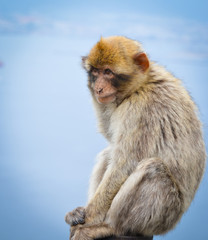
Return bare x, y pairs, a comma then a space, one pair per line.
81, 234
75, 217
91, 232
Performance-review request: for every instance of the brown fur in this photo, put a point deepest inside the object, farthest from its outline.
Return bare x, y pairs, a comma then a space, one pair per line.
147, 177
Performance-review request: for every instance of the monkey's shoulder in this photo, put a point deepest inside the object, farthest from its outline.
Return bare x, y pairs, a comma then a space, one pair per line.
161, 97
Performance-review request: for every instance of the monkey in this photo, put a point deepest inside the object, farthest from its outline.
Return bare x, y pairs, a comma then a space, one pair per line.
147, 177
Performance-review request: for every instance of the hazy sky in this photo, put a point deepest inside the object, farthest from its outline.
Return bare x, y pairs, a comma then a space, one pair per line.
48, 139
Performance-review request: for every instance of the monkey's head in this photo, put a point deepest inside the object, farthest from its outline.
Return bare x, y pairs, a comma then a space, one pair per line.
116, 66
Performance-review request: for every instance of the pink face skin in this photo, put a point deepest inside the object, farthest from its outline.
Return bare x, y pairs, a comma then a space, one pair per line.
103, 89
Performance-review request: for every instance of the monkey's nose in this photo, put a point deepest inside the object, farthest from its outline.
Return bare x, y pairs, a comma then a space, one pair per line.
100, 90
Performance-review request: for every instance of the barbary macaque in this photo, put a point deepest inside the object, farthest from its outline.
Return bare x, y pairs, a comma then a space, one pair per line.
147, 177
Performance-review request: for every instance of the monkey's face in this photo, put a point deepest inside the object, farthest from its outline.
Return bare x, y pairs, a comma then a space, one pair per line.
108, 86
101, 84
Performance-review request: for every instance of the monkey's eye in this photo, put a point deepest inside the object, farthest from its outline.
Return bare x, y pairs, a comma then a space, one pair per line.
107, 71
94, 71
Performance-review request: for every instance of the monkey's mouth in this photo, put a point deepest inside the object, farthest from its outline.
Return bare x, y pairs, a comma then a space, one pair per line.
106, 98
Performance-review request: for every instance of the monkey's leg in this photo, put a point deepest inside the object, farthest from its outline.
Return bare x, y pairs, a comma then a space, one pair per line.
149, 202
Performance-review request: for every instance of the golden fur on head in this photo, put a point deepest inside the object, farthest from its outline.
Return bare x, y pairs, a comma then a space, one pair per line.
116, 52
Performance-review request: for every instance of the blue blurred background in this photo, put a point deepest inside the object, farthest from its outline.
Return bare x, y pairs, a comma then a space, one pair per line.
48, 137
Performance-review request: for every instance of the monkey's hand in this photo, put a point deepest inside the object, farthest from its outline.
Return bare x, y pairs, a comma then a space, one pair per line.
77, 216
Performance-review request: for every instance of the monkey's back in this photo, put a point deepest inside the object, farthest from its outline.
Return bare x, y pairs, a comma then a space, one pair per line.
170, 123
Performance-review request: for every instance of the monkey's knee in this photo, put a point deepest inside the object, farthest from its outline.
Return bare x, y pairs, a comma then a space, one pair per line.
75, 217
149, 202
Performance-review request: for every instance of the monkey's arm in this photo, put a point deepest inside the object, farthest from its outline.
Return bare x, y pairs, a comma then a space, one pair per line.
115, 175
98, 172
101, 201
77, 216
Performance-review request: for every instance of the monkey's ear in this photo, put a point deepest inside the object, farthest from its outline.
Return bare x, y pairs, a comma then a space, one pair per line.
142, 61
84, 62
84, 58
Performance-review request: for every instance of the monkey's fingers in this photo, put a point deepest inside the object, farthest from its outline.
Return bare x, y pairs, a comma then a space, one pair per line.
75, 217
